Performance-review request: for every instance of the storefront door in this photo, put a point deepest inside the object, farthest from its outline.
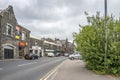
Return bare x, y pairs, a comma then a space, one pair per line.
8, 52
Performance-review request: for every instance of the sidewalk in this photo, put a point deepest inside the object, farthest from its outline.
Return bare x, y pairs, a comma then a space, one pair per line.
75, 70
10, 60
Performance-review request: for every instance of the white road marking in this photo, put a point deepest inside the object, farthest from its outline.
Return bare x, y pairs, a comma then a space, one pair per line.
1, 68
27, 64
50, 73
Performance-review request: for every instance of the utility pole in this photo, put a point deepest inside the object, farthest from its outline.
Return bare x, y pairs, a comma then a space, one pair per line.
0, 38
105, 24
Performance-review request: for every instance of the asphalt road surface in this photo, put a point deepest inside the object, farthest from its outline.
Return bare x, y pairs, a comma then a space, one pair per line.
28, 69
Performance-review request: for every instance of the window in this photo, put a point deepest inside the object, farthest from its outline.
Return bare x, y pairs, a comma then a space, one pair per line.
36, 43
9, 30
23, 35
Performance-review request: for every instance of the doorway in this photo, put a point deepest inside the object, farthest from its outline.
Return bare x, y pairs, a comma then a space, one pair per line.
8, 52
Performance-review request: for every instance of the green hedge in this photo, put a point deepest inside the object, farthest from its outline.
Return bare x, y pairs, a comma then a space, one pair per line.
91, 42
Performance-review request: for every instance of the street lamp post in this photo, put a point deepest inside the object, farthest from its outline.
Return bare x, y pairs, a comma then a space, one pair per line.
0, 38
105, 24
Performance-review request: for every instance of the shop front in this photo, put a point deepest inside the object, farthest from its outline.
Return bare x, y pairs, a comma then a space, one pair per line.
37, 50
22, 49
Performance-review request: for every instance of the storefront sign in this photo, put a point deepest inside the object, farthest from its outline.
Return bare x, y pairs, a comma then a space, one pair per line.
17, 37
22, 44
33, 47
36, 48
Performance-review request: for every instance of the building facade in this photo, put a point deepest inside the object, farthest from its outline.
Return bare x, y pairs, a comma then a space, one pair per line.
9, 47
67, 47
50, 45
9, 40
23, 37
36, 46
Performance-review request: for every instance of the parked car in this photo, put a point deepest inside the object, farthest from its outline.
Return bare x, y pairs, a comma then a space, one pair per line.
50, 54
75, 56
57, 54
66, 54
31, 56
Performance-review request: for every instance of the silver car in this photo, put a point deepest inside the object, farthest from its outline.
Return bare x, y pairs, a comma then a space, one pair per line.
75, 56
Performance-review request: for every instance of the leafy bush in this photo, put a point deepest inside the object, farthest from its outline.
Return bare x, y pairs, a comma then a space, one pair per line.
91, 42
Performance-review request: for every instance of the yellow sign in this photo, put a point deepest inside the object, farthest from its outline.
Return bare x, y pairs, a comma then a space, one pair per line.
17, 37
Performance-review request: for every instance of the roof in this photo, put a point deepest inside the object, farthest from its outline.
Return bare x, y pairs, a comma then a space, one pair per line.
23, 28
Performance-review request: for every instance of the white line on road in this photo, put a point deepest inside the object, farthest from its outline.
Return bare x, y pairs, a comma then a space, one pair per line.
27, 64
50, 73
1, 68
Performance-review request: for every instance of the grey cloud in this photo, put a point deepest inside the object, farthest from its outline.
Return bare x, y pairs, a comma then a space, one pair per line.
69, 13
45, 10
41, 9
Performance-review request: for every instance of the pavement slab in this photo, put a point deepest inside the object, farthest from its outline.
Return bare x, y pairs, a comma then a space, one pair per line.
75, 70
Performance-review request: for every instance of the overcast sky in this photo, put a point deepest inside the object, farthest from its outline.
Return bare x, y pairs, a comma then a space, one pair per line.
57, 18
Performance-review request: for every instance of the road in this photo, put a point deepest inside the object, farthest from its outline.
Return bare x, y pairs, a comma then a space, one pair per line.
28, 69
